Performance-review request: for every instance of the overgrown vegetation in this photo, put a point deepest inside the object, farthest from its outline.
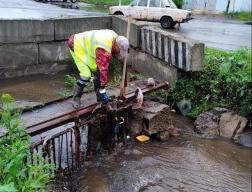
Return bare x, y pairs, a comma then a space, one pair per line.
242, 16
179, 3
115, 74
224, 82
16, 171
70, 81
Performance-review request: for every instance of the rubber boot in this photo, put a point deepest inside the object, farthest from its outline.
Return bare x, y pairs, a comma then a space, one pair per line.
77, 93
96, 88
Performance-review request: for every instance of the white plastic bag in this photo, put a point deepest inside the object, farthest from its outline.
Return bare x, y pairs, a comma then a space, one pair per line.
139, 98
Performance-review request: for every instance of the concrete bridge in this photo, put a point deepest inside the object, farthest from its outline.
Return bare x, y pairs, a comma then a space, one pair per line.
39, 47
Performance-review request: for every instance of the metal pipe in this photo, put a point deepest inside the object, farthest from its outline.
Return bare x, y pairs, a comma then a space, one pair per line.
69, 117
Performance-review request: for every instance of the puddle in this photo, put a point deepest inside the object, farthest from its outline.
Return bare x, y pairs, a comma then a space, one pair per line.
35, 88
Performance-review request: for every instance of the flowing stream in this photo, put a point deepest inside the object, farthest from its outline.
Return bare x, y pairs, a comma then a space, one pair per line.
186, 163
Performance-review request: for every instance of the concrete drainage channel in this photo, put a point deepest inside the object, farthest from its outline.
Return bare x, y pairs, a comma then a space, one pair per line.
68, 148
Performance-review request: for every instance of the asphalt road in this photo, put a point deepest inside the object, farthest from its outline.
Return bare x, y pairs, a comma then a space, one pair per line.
29, 9
221, 34
214, 32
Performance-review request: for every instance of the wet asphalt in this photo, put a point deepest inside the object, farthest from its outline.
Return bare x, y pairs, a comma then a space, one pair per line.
214, 31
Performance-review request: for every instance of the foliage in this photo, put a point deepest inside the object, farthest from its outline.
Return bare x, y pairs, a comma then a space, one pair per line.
70, 80
64, 93
16, 172
133, 76
242, 16
179, 3
225, 82
115, 74
107, 2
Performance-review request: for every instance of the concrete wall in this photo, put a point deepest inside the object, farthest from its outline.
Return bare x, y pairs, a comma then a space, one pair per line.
119, 25
218, 5
37, 46
174, 49
65, 27
152, 66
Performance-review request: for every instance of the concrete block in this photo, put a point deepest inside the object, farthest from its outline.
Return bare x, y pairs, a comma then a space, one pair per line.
152, 67
65, 27
17, 31
119, 25
18, 55
136, 127
156, 117
20, 71
173, 48
53, 52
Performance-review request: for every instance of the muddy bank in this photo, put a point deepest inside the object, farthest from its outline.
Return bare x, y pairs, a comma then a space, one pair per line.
185, 163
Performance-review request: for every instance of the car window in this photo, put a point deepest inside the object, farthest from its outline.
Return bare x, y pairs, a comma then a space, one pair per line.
155, 3
142, 3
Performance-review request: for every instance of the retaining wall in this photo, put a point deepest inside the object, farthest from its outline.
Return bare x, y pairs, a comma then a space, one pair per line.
40, 46
172, 48
35, 47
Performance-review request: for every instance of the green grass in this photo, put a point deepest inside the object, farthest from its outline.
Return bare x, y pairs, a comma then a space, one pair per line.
107, 2
224, 82
242, 16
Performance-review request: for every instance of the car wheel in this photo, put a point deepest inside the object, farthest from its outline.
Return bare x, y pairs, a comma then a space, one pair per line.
173, 24
118, 13
167, 22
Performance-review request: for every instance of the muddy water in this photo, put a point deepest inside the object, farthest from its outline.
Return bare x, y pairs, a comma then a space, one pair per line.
186, 163
37, 88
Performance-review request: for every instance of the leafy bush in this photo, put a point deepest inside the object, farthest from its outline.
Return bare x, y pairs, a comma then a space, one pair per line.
225, 82
179, 3
242, 16
16, 173
70, 80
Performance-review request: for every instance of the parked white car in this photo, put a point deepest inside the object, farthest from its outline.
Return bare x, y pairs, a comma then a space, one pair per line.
163, 11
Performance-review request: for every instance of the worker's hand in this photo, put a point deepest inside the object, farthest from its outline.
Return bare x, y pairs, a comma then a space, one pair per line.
104, 97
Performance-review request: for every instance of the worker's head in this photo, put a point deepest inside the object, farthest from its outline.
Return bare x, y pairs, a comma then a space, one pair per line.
121, 46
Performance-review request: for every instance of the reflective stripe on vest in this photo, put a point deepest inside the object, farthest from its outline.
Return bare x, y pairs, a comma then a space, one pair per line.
90, 41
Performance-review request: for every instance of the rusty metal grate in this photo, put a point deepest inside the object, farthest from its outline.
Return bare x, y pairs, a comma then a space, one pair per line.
80, 133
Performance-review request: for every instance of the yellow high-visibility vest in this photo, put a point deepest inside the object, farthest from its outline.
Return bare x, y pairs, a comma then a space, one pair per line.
86, 43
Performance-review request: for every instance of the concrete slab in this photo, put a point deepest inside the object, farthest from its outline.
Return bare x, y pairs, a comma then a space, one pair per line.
20, 31
152, 67
53, 52
174, 48
119, 25
17, 55
65, 27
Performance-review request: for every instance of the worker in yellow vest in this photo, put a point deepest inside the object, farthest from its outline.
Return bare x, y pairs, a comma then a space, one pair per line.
92, 52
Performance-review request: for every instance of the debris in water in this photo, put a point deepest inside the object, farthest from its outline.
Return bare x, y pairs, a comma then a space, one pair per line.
143, 138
